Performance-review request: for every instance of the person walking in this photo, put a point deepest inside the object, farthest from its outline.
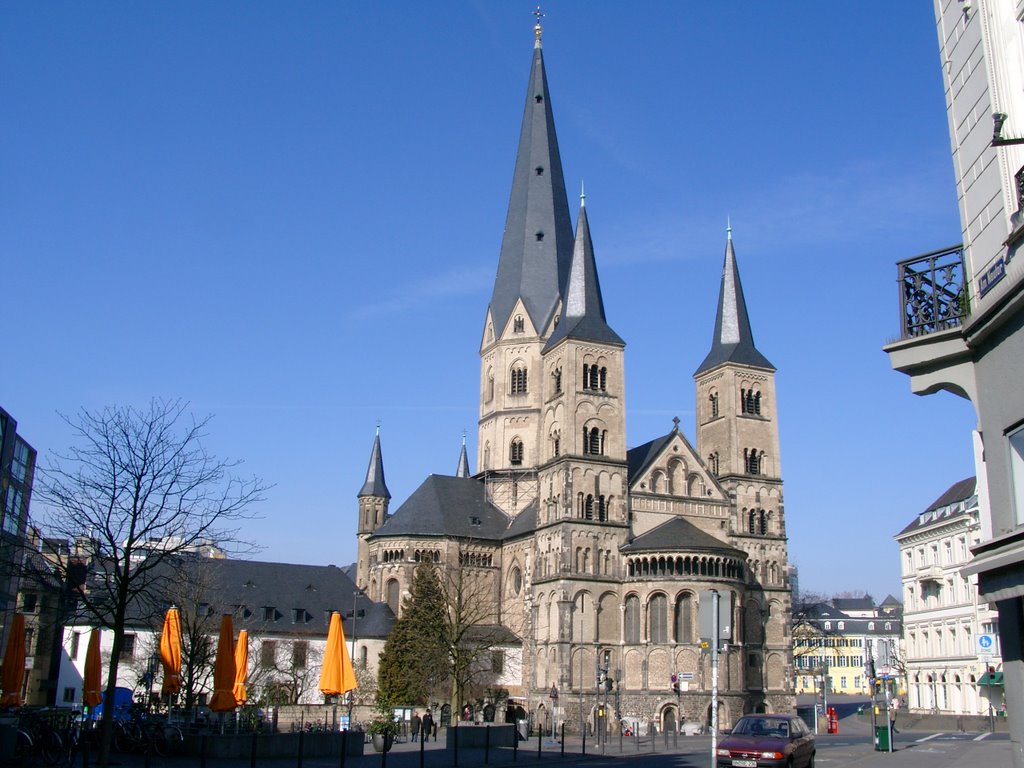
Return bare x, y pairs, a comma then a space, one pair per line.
894, 708
415, 725
428, 726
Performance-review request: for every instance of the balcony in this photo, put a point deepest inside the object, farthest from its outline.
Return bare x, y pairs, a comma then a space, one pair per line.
934, 303
930, 573
933, 292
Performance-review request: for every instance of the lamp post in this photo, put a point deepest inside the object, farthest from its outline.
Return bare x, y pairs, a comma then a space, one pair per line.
356, 594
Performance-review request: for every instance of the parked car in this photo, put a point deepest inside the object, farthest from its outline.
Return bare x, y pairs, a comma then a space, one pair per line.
760, 741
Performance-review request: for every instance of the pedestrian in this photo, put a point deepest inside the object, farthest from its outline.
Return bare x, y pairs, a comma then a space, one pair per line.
894, 708
428, 725
415, 725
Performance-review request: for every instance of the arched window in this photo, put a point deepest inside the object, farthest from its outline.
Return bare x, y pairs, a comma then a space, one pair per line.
515, 452
602, 509
518, 325
604, 379
517, 381
392, 595
713, 463
684, 618
762, 522
556, 443
490, 385
752, 521
752, 460
593, 441
658, 619
632, 619
556, 380
713, 399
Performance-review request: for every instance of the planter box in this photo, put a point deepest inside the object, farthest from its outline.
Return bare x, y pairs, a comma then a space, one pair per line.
479, 736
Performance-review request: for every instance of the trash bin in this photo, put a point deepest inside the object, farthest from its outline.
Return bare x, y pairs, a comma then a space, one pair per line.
881, 738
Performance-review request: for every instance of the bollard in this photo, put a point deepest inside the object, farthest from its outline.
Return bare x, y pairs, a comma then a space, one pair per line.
455, 744
298, 763
620, 738
584, 742
252, 751
636, 736
515, 745
675, 738
384, 753
487, 744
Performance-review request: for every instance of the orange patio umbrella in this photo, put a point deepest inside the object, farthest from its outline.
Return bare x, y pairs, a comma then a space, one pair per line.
170, 651
241, 666
336, 676
224, 669
14, 663
92, 693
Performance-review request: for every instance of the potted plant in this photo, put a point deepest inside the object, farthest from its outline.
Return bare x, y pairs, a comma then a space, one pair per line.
383, 727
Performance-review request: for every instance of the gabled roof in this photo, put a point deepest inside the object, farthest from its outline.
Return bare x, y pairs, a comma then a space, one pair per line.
640, 458
733, 341
536, 249
375, 485
447, 506
524, 523
680, 534
583, 315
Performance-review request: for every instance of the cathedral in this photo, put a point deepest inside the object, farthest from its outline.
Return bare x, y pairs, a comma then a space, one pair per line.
597, 556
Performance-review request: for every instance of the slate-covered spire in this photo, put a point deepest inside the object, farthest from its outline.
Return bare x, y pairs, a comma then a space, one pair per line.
733, 341
463, 470
375, 485
537, 245
583, 307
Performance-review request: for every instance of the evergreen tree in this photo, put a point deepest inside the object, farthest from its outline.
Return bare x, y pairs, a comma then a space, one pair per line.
414, 664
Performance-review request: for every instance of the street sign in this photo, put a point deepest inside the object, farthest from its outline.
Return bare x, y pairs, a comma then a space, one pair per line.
986, 645
686, 675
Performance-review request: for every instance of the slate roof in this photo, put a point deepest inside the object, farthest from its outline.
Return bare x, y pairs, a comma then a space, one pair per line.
680, 534
263, 597
733, 341
524, 523
583, 308
375, 485
536, 249
854, 603
946, 507
640, 458
447, 506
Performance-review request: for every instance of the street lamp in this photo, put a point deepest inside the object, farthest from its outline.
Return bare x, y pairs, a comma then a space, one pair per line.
353, 614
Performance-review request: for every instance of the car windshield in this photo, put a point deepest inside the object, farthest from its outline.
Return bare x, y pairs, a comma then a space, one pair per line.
762, 726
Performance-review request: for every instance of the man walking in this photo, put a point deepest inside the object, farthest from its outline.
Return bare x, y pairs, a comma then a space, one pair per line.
415, 725
428, 726
894, 708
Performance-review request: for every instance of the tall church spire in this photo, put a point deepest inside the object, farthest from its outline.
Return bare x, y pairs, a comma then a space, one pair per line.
375, 485
733, 341
583, 315
463, 468
537, 245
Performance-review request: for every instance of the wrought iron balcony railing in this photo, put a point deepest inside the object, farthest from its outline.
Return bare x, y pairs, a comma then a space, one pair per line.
933, 292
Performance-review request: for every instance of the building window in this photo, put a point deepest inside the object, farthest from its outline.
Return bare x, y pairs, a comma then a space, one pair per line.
595, 378
750, 402
518, 381
75, 640
128, 647
28, 602
658, 618
299, 653
713, 399
497, 662
69, 695
713, 463
515, 452
269, 613
752, 461
556, 380
684, 618
490, 386
518, 325
593, 441
556, 444
268, 653
632, 619
752, 521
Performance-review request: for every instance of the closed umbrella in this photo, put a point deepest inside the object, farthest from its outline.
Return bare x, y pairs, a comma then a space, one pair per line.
241, 666
224, 669
14, 663
92, 694
170, 651
336, 676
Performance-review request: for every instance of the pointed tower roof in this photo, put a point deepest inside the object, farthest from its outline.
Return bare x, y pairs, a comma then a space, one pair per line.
375, 485
733, 341
463, 469
537, 245
583, 308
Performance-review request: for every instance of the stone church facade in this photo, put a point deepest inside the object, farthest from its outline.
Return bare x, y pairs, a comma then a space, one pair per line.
596, 555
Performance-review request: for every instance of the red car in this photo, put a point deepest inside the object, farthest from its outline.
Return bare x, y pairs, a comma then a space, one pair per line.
758, 741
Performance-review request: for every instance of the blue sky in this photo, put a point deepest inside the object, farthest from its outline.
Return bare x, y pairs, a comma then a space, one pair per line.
289, 215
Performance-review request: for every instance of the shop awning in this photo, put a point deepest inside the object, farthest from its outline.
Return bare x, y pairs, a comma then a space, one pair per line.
991, 678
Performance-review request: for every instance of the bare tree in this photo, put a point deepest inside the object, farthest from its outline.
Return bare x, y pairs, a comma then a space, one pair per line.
140, 487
